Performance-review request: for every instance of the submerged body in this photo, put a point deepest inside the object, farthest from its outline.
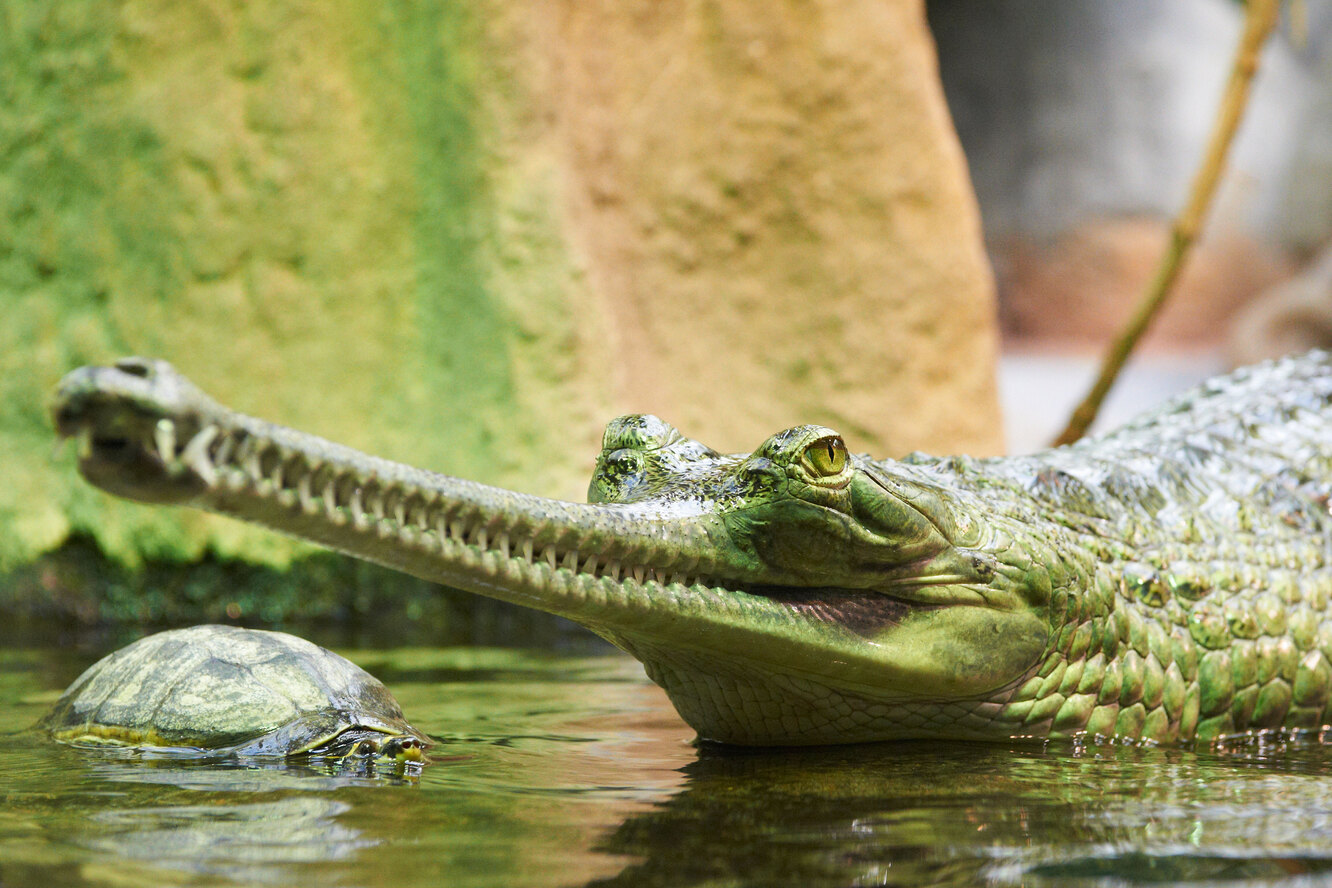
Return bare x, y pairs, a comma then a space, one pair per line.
231, 691
1168, 581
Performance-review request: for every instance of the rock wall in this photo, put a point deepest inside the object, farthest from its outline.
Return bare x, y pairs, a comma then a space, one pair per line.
465, 235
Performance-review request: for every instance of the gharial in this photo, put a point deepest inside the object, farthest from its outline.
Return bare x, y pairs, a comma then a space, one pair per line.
233, 692
1168, 581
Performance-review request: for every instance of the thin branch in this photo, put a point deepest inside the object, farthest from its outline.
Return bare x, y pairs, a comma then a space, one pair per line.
1260, 18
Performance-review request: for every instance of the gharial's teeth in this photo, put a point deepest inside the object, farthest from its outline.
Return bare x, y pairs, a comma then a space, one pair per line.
195, 454
358, 515
304, 496
527, 551
640, 573
570, 561
246, 457
426, 516
224, 449
550, 556
612, 570
164, 436
503, 544
235, 479
481, 538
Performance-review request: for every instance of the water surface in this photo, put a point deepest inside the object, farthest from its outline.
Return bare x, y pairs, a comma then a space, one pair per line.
559, 764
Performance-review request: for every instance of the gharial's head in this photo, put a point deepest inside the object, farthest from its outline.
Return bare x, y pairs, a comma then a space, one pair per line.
763, 591
844, 573
800, 510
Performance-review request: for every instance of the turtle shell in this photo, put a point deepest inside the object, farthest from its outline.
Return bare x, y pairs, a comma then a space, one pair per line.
232, 690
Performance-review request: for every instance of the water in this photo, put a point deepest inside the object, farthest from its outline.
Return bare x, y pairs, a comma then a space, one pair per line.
561, 765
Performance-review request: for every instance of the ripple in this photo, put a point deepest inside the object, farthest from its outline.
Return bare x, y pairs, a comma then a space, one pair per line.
1137, 867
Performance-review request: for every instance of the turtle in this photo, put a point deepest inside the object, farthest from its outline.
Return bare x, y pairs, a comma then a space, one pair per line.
230, 691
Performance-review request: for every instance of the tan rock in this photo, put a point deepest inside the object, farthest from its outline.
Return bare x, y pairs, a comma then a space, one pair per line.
776, 221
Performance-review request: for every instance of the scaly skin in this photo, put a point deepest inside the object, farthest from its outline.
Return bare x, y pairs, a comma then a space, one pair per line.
1166, 582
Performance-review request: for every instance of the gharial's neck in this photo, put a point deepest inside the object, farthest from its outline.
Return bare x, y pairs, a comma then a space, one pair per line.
1124, 657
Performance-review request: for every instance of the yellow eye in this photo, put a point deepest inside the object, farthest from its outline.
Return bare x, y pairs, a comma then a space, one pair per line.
826, 457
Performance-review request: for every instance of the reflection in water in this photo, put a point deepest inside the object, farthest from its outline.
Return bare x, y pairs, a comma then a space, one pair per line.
912, 814
130, 817
219, 774
240, 841
558, 770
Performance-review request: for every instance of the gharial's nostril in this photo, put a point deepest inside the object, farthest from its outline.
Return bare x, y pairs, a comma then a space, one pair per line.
135, 367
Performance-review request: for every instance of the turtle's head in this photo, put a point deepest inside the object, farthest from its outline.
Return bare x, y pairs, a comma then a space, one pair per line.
385, 744
133, 421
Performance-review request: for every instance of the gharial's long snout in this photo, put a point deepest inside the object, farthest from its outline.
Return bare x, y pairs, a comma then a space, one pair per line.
147, 433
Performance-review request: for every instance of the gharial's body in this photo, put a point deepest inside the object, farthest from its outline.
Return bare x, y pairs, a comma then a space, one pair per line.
230, 691
1169, 581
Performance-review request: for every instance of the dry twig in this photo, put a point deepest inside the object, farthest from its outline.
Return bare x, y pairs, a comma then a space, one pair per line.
1260, 18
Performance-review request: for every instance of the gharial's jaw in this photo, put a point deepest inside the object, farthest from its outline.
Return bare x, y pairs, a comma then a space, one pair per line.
137, 424
666, 580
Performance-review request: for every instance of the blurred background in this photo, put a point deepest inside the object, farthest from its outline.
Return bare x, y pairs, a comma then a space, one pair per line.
1083, 125
466, 235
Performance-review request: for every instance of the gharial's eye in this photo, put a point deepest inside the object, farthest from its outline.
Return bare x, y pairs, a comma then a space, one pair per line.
826, 457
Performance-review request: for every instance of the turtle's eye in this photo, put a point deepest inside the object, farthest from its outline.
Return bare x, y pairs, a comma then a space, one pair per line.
826, 457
